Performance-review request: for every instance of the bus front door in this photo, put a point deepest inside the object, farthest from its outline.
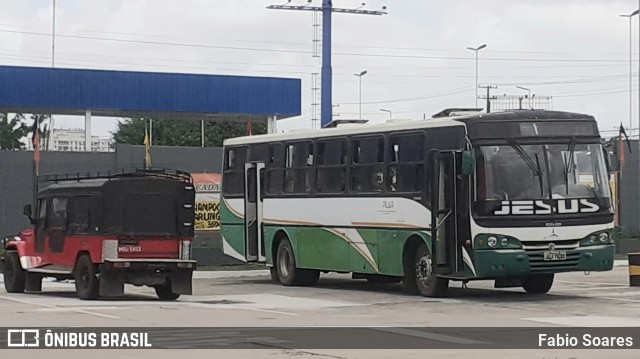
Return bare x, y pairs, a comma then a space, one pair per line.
253, 229
444, 219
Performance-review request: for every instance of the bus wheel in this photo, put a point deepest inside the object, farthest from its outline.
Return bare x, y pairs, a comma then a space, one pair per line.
537, 283
14, 275
273, 271
87, 285
288, 273
164, 292
426, 282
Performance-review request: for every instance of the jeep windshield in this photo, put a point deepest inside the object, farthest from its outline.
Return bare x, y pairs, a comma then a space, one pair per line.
569, 174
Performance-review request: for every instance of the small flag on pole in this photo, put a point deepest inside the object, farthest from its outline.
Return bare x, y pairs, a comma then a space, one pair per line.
622, 132
626, 138
147, 149
35, 140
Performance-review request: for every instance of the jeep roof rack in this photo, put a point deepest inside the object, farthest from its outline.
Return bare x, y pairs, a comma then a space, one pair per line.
124, 172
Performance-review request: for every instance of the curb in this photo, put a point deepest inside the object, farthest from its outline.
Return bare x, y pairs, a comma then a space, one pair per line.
229, 274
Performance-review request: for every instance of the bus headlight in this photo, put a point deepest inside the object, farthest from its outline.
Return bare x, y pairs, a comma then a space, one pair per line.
504, 242
593, 239
492, 242
604, 237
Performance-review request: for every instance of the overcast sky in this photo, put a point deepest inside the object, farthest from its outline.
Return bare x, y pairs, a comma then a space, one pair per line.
573, 50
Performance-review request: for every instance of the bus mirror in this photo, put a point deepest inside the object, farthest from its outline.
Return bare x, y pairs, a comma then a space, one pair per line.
468, 162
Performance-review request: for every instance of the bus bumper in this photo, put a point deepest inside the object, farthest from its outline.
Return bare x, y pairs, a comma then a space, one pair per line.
518, 262
114, 273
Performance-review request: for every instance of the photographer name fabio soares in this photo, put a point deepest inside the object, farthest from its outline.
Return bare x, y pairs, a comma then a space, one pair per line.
586, 341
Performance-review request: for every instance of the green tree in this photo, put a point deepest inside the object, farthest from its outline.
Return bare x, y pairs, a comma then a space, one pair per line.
182, 133
12, 131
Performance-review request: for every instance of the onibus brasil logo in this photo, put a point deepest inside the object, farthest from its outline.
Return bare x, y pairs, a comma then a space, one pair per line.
33, 338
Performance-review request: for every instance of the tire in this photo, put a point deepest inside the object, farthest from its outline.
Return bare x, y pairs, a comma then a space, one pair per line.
14, 275
288, 273
273, 272
537, 283
419, 278
164, 292
33, 282
87, 284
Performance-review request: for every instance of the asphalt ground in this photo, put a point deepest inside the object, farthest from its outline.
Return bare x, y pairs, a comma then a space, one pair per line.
249, 299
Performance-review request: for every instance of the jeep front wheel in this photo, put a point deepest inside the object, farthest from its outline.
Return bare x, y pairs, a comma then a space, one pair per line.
14, 275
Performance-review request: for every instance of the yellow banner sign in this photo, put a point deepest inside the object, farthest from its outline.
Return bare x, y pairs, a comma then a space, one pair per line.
208, 216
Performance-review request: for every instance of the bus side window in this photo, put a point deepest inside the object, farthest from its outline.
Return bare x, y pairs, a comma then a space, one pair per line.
406, 168
367, 164
331, 166
298, 166
273, 165
235, 158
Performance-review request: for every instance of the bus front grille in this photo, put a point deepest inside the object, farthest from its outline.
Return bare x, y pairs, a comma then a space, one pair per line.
538, 264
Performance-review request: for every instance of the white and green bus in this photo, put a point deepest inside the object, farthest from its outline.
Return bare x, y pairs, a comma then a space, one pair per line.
513, 196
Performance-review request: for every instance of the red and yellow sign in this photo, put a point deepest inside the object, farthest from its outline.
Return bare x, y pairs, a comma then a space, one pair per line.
207, 201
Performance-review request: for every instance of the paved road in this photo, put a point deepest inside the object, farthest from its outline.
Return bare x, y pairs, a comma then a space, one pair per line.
248, 299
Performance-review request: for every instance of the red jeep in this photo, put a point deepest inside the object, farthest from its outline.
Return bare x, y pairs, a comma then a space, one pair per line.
107, 229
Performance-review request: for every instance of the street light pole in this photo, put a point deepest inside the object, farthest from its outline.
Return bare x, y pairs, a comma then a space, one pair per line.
360, 91
630, 17
53, 36
476, 49
389, 111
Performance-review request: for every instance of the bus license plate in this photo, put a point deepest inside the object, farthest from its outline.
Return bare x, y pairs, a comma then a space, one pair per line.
555, 255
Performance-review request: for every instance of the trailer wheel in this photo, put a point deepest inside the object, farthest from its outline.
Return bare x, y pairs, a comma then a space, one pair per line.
87, 285
288, 273
427, 283
164, 292
14, 275
537, 283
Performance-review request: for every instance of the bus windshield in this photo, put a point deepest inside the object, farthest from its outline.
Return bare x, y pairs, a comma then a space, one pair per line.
541, 171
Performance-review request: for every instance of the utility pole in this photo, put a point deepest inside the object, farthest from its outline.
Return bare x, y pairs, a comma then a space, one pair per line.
488, 97
630, 17
326, 81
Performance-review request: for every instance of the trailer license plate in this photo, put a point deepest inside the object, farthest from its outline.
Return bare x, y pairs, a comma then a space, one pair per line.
555, 255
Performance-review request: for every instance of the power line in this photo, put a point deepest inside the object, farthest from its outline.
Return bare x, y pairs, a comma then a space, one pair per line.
337, 45
396, 56
419, 98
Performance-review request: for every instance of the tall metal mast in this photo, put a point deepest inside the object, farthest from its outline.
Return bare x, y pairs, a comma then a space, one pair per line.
327, 9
